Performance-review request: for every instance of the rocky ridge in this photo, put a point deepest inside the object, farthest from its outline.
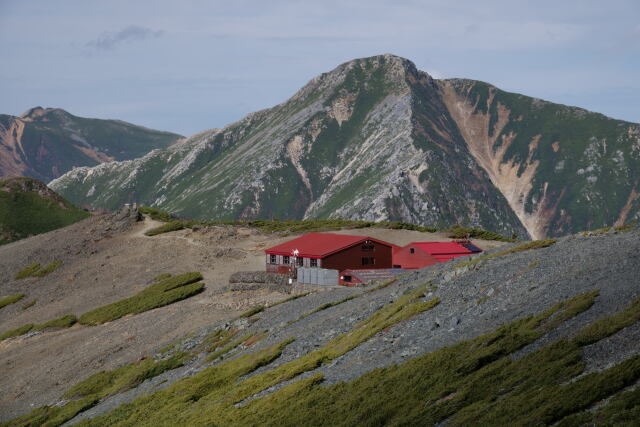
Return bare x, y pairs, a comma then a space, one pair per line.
44, 143
377, 139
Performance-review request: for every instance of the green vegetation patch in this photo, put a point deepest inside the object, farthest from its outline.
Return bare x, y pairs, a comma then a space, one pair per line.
605, 230
252, 311
471, 379
11, 300
24, 212
313, 225
291, 298
157, 295
224, 346
29, 304
458, 232
534, 244
608, 326
34, 270
61, 322
405, 307
161, 277
343, 300
156, 214
170, 226
89, 392
179, 399
52, 416
107, 383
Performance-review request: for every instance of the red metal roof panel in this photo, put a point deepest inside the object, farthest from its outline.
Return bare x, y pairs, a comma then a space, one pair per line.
319, 245
442, 248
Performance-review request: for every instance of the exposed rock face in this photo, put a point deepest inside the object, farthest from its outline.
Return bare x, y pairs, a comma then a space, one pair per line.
45, 143
377, 139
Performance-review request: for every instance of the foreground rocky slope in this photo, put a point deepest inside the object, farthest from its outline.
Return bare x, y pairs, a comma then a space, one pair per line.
108, 258
46, 143
533, 336
377, 139
29, 207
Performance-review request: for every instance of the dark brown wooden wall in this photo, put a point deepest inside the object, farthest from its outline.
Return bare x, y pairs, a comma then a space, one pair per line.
352, 258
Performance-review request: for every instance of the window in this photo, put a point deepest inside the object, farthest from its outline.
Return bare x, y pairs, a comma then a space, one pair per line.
368, 261
367, 246
300, 261
412, 250
272, 259
314, 262
285, 259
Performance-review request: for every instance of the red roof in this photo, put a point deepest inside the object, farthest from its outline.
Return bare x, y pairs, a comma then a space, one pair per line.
319, 245
444, 251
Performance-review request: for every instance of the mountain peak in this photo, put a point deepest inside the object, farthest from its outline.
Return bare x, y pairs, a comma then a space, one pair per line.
34, 113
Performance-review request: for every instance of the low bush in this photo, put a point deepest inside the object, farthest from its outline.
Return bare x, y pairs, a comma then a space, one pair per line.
161, 277
157, 295
29, 304
10, 300
106, 383
458, 232
61, 322
156, 214
170, 226
17, 332
28, 271
252, 311
225, 346
34, 270
52, 416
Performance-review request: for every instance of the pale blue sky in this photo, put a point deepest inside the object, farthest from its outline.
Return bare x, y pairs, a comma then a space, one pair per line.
186, 66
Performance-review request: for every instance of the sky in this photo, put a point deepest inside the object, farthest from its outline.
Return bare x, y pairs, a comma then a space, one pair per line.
190, 65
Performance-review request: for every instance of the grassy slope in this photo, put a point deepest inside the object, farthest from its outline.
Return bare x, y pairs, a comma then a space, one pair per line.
471, 383
25, 213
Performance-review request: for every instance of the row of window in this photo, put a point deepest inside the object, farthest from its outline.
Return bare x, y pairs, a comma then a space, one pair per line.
313, 262
286, 259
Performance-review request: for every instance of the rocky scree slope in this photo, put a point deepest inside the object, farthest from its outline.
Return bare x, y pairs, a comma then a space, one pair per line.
377, 139
591, 277
44, 143
29, 207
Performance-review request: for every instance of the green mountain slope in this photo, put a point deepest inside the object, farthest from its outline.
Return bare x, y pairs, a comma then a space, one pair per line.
46, 143
562, 169
377, 139
28, 207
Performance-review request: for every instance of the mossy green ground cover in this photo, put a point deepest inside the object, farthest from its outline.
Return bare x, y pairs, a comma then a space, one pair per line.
474, 382
106, 383
310, 225
35, 270
159, 294
65, 321
10, 300
470, 383
24, 213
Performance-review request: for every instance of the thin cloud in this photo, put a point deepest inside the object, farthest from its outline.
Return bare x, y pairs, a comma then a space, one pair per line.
130, 34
